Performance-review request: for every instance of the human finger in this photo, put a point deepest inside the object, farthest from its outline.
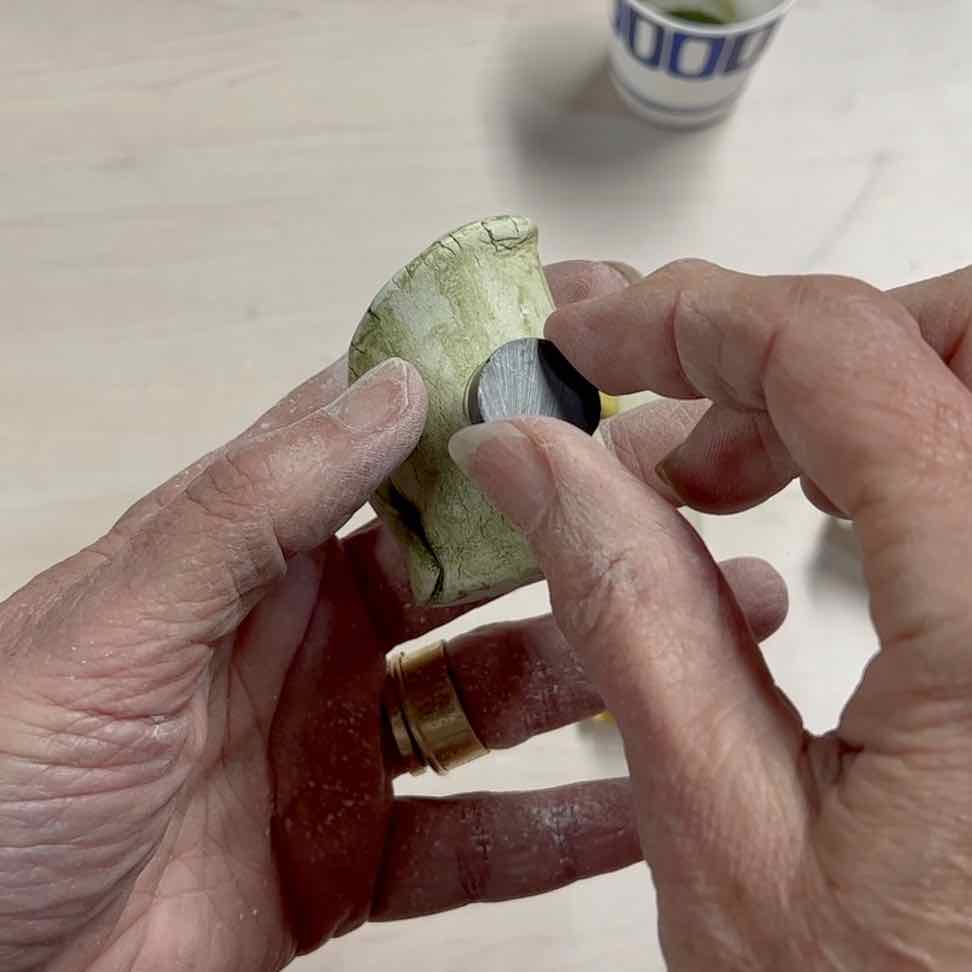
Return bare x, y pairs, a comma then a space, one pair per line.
315, 393
574, 280
196, 569
661, 636
446, 853
864, 405
942, 306
516, 680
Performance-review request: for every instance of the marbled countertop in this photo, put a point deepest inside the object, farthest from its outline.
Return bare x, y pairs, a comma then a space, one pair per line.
198, 199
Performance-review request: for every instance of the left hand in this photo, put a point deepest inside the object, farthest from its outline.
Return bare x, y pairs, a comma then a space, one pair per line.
194, 772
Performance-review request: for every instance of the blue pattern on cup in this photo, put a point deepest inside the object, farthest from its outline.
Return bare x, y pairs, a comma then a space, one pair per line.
665, 49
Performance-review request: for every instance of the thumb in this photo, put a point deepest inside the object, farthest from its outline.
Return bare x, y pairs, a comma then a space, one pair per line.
192, 572
711, 743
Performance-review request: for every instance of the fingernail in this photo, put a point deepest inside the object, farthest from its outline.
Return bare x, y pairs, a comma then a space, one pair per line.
494, 439
630, 274
663, 472
375, 399
506, 465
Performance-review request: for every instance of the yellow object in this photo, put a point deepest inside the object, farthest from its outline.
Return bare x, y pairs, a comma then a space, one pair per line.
610, 406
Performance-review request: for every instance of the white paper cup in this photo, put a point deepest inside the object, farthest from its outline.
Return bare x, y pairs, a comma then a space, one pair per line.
687, 75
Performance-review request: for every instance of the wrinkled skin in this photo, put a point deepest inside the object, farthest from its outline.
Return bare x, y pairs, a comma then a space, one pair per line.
770, 848
194, 771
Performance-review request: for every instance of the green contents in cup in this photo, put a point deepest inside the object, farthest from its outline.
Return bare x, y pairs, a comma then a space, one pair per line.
696, 16
715, 13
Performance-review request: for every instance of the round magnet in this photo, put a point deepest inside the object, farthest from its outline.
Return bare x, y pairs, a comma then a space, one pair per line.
530, 377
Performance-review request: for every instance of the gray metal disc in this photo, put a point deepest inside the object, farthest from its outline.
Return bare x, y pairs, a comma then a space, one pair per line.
530, 377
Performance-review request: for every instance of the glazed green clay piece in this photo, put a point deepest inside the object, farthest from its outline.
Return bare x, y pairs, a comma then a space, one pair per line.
446, 312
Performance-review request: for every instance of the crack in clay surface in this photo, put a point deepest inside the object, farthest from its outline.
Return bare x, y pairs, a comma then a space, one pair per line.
465, 295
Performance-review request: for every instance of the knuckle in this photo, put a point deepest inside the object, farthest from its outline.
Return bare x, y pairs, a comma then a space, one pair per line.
824, 287
825, 327
564, 830
690, 268
602, 609
942, 306
232, 510
474, 854
819, 294
229, 486
544, 705
219, 493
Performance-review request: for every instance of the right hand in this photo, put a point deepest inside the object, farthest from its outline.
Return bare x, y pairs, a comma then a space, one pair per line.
773, 849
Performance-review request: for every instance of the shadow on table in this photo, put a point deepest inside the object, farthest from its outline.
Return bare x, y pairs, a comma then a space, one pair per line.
566, 120
582, 125
836, 564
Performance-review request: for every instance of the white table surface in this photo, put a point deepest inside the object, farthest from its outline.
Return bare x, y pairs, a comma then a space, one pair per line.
198, 199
